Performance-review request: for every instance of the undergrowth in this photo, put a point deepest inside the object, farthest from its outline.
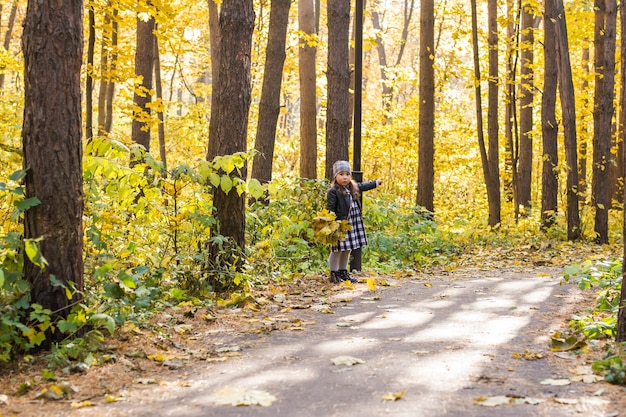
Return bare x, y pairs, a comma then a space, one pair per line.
146, 233
605, 278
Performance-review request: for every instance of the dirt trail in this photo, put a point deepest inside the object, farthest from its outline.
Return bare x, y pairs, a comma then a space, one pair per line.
439, 344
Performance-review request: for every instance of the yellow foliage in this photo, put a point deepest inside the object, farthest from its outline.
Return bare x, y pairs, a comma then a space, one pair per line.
327, 229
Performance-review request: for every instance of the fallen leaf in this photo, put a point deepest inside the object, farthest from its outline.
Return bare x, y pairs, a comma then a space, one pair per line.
565, 344
587, 379
371, 284
183, 328
159, 357
238, 397
346, 360
82, 404
556, 382
53, 393
394, 396
493, 401
527, 355
568, 401
220, 359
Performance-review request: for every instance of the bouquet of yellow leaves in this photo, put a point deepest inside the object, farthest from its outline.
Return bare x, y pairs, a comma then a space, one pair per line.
327, 229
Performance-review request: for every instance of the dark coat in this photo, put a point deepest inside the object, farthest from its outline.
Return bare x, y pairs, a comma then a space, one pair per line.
339, 204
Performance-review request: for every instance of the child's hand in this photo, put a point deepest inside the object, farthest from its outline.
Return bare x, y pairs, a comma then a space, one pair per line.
379, 182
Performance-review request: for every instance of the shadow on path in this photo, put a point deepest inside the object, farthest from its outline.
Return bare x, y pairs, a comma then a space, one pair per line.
445, 341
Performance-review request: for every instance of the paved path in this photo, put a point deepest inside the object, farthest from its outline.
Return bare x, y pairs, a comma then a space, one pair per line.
444, 341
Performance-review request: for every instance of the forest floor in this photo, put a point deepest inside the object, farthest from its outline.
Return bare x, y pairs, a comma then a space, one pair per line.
470, 341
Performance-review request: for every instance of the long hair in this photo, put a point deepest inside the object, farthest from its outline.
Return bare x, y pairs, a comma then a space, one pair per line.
352, 188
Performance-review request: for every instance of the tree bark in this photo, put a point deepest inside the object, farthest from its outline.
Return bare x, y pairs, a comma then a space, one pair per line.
568, 109
478, 95
229, 115
584, 129
215, 41
604, 41
621, 313
308, 90
52, 43
338, 74
549, 127
144, 65
493, 187
269, 106
108, 63
9, 34
91, 44
159, 96
426, 153
526, 97
511, 144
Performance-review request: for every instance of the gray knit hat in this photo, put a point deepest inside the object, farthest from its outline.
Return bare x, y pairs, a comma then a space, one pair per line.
341, 166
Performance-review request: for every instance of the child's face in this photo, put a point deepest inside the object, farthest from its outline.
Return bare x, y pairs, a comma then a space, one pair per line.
343, 178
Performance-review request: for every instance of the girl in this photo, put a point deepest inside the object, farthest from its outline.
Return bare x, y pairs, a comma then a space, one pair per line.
344, 199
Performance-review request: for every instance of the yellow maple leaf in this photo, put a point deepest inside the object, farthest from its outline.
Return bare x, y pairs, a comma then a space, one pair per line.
371, 284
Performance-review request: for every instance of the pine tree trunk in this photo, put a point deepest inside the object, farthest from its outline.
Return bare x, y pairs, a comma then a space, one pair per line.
91, 44
426, 154
568, 108
338, 74
308, 91
526, 97
269, 106
604, 41
52, 43
229, 116
621, 313
493, 187
549, 127
144, 65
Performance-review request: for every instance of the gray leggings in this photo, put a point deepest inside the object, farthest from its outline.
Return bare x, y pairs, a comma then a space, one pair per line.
339, 260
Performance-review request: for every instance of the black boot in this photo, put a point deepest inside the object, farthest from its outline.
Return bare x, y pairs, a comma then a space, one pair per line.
345, 276
335, 278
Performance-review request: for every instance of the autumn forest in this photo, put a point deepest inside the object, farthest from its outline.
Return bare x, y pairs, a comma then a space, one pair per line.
158, 152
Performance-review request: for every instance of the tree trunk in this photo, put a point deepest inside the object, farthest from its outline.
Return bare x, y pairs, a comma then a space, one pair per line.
386, 90
549, 127
91, 44
511, 144
144, 65
338, 74
584, 130
269, 106
526, 97
229, 115
616, 168
9, 34
426, 153
108, 63
52, 43
215, 40
478, 95
308, 90
159, 96
493, 187
604, 40
568, 108
621, 313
